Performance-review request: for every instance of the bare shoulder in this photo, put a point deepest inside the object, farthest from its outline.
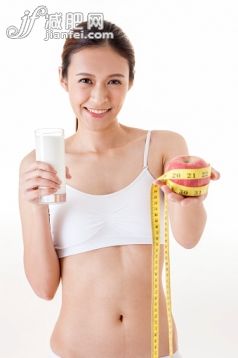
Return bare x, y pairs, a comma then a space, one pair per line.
171, 143
167, 136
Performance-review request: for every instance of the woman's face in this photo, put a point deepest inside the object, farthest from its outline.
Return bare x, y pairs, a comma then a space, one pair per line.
97, 82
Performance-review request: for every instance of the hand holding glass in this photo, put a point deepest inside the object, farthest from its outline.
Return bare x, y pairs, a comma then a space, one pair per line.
50, 149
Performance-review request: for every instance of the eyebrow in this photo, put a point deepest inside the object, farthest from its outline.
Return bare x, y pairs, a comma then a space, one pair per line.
90, 74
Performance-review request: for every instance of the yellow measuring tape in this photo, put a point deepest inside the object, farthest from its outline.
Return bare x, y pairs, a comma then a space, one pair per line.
155, 221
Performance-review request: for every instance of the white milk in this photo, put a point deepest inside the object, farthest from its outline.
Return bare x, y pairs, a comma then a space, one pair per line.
50, 149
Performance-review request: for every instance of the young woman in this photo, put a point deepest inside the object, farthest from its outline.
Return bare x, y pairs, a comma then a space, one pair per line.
99, 242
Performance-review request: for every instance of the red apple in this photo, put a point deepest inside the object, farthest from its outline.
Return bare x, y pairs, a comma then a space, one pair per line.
188, 162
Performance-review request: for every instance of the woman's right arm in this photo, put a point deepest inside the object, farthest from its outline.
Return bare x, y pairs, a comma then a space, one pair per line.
41, 263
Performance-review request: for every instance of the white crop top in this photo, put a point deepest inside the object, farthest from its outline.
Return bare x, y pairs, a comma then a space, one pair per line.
87, 222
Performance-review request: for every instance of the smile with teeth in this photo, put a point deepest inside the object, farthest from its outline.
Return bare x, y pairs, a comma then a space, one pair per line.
97, 111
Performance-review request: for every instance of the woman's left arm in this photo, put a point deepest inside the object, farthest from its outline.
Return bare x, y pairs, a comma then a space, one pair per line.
187, 214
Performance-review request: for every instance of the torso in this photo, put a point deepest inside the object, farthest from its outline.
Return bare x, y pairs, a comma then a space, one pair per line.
106, 293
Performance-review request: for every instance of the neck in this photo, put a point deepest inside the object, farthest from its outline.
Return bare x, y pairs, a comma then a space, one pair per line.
99, 140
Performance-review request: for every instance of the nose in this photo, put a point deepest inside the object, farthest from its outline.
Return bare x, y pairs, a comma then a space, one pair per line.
99, 94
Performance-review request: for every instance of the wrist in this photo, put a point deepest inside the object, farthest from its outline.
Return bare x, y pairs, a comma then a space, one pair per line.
40, 208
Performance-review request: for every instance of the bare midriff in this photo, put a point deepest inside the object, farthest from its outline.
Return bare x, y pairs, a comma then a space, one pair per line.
106, 305
106, 293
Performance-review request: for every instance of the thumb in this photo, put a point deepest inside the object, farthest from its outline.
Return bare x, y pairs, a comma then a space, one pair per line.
215, 175
68, 175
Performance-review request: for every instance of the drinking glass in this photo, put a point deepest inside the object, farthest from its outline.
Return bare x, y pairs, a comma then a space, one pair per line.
50, 149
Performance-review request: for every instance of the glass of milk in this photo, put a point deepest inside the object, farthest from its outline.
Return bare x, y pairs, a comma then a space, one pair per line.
50, 149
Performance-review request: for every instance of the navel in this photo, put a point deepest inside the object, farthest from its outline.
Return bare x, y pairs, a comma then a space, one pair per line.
121, 318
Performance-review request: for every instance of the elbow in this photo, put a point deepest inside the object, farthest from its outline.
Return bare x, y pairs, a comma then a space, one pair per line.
45, 291
190, 246
46, 294
47, 297
188, 243
43, 284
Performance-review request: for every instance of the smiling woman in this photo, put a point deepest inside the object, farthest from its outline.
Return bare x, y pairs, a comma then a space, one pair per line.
99, 242
119, 44
100, 92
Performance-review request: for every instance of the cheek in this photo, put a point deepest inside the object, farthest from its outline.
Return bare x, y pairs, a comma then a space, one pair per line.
119, 94
78, 95
120, 98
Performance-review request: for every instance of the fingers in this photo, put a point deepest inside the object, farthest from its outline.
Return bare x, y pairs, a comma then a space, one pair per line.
193, 200
171, 195
187, 200
34, 195
215, 175
183, 200
158, 182
41, 165
39, 179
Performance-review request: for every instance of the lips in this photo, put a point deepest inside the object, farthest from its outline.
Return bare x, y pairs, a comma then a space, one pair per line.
97, 111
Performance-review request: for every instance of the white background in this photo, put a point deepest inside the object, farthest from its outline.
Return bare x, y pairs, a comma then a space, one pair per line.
186, 81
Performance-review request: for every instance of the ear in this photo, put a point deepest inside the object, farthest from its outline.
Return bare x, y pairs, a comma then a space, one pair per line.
63, 81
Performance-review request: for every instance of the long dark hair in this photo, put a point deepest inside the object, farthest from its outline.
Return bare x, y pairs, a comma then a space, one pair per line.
119, 42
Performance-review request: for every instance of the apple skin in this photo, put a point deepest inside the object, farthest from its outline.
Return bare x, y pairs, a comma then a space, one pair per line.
188, 162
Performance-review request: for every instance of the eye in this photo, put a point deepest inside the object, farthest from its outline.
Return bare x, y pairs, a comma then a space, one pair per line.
85, 80
115, 82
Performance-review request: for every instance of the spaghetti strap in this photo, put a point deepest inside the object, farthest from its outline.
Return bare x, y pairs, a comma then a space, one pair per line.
146, 151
